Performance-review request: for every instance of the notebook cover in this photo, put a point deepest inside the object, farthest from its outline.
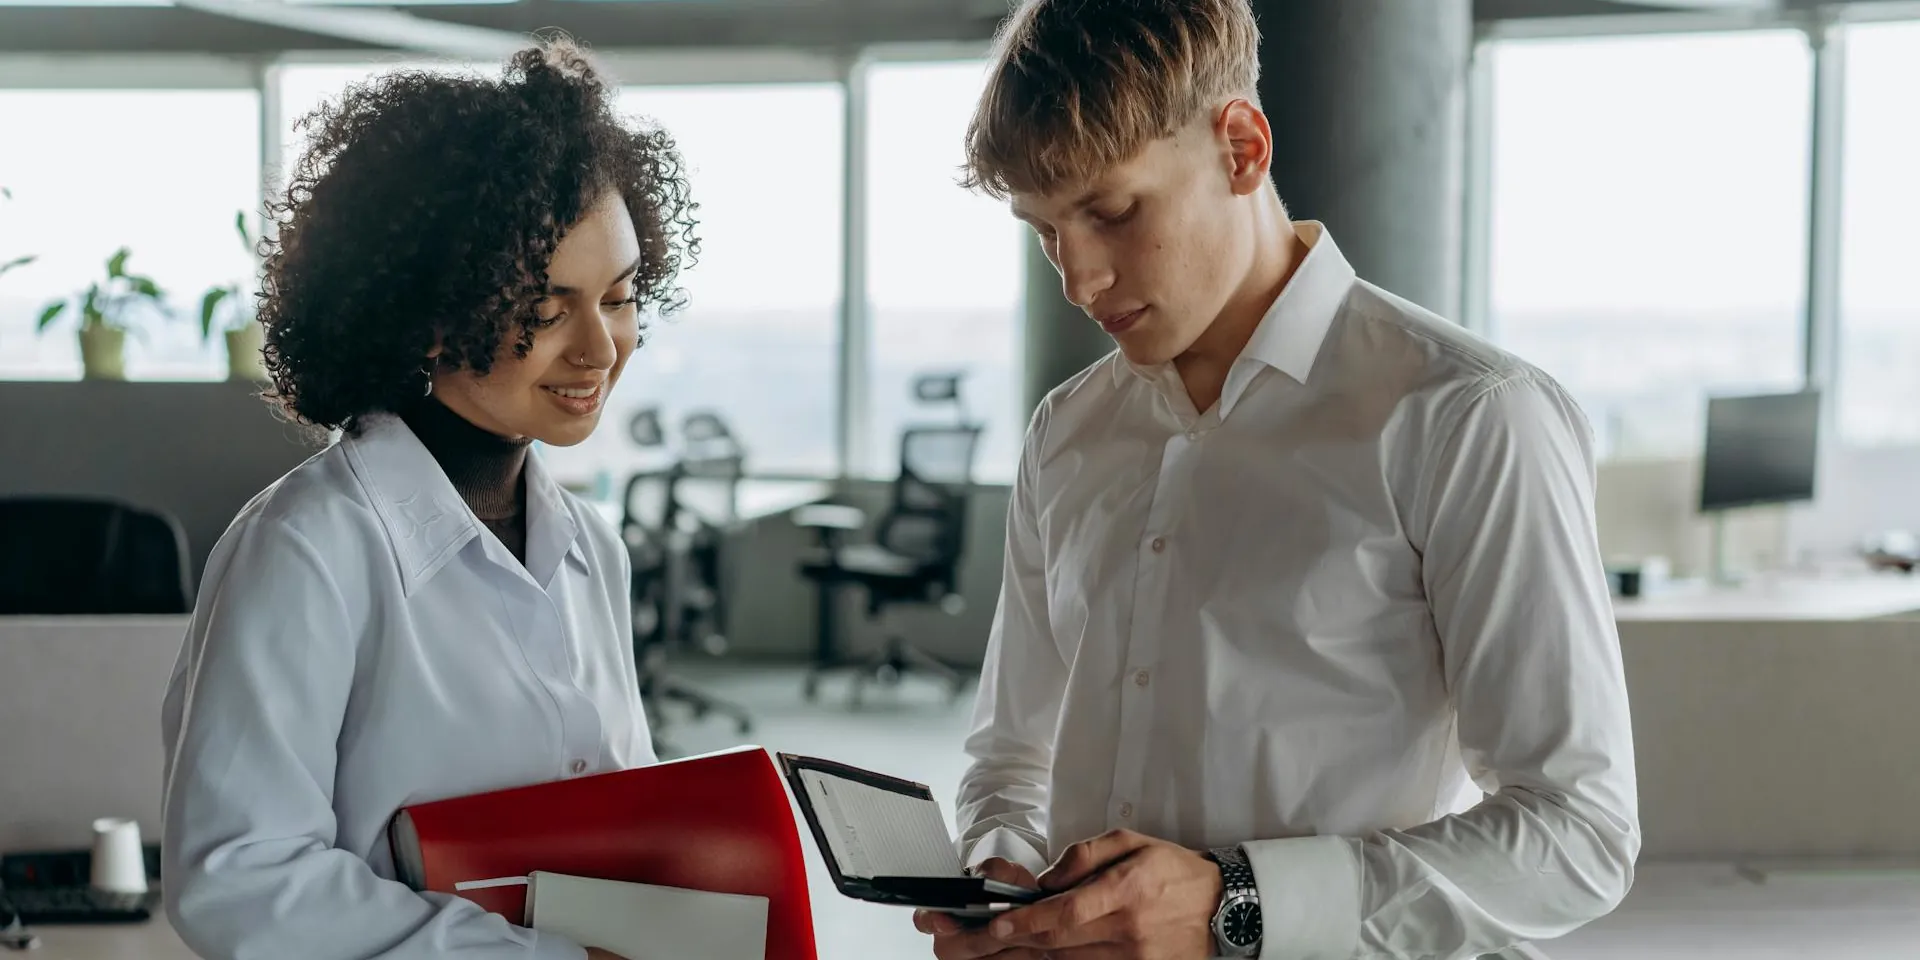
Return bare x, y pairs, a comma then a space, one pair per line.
720, 823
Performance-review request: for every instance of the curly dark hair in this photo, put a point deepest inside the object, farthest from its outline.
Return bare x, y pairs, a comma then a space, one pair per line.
426, 210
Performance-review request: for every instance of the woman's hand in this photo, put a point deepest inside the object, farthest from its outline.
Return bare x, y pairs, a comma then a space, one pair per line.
595, 953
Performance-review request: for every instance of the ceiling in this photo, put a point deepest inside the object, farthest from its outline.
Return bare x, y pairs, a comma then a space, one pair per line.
257, 26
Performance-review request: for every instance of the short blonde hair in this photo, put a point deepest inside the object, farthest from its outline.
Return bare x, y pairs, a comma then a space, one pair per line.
1075, 87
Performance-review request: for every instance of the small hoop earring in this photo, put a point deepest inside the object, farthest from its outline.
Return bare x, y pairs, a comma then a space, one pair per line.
426, 372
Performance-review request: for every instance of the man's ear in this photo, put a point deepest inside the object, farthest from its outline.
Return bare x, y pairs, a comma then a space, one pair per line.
1248, 139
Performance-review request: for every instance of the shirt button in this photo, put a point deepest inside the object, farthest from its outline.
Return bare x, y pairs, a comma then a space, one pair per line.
1159, 544
1193, 434
1141, 678
1126, 811
578, 767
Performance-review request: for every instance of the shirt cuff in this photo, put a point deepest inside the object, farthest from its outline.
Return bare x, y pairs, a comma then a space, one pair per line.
1309, 897
1008, 844
552, 946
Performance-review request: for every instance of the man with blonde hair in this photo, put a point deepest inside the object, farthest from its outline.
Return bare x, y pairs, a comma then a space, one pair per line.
1304, 648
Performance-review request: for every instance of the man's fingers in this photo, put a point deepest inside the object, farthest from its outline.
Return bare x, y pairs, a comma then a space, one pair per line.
1005, 871
936, 923
1098, 937
1088, 857
1057, 920
1098, 951
972, 945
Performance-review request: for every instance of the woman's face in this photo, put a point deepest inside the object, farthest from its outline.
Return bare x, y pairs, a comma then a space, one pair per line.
589, 324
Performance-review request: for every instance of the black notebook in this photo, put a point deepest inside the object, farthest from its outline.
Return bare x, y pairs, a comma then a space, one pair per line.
885, 841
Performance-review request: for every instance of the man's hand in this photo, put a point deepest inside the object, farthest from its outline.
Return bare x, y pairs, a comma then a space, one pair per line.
1126, 897
953, 940
595, 953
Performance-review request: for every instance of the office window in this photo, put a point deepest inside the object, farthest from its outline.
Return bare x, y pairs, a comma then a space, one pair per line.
160, 172
1649, 222
304, 87
758, 340
944, 272
1879, 376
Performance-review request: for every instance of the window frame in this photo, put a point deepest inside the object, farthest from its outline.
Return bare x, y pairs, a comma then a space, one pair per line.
1825, 30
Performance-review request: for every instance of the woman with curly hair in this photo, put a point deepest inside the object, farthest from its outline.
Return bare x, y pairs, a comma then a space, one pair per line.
420, 611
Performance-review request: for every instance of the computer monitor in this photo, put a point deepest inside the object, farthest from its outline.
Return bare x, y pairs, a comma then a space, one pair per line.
1760, 450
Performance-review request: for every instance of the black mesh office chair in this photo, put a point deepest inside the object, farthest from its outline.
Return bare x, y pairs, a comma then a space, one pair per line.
72, 555
913, 559
671, 603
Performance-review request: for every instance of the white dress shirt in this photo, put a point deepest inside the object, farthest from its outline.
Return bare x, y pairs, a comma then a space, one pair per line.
1320, 619
361, 643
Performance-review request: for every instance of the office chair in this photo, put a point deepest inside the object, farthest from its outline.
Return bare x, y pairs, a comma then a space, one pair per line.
914, 558
707, 508
672, 602
72, 555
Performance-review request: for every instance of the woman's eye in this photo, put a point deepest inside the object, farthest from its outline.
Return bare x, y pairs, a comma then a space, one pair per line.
617, 304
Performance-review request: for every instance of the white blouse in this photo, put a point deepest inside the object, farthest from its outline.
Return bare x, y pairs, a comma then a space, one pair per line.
362, 643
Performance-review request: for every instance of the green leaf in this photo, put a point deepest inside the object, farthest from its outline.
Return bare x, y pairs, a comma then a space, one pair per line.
145, 287
50, 314
117, 267
240, 224
208, 305
90, 315
15, 262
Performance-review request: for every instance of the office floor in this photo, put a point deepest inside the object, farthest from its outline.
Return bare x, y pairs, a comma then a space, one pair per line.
1675, 912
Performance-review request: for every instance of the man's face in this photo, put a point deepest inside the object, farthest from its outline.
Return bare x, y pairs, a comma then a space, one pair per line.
1154, 248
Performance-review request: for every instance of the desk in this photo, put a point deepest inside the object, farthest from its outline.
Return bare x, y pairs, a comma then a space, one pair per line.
154, 940
1780, 597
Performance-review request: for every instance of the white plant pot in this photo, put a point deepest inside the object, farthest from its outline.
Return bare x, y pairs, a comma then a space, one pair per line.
103, 353
244, 361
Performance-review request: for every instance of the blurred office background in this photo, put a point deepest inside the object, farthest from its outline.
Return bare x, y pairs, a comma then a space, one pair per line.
1661, 203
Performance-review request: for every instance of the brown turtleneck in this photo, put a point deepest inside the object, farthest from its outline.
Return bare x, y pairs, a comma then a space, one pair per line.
487, 470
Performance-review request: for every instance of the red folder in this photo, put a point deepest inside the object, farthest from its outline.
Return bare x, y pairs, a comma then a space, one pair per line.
721, 823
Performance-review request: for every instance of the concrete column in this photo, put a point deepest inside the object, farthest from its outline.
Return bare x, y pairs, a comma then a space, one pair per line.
1368, 106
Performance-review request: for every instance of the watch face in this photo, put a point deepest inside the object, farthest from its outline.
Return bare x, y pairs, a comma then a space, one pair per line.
1241, 924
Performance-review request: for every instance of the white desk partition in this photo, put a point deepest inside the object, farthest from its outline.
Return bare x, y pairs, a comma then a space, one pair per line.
1781, 740
80, 725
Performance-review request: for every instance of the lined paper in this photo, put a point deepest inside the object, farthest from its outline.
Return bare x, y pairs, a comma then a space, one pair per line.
879, 833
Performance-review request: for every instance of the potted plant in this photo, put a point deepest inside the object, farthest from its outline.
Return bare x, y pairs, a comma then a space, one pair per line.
106, 309
224, 308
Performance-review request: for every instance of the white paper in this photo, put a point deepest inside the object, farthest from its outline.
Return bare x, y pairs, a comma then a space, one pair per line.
880, 833
645, 922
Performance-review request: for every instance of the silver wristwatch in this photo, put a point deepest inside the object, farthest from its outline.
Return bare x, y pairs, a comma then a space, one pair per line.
1237, 921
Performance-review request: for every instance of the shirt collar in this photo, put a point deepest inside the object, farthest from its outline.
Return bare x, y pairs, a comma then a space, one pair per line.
425, 520
1289, 335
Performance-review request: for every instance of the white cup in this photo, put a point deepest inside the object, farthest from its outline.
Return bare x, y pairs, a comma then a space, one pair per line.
119, 864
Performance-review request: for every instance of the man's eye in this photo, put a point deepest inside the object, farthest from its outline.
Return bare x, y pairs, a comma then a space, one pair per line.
1117, 216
